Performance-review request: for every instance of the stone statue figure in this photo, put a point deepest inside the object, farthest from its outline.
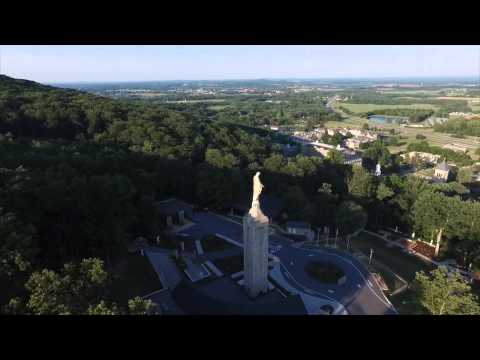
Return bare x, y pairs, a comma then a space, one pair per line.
255, 210
257, 188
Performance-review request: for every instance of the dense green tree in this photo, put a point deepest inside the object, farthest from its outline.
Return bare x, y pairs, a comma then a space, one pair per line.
441, 293
102, 308
215, 158
16, 247
325, 203
436, 216
361, 183
384, 192
464, 175
377, 153
76, 289
350, 217
138, 306
336, 157
274, 163
72, 291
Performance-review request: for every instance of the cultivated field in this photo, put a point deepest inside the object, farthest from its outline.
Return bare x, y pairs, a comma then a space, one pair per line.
218, 107
472, 99
407, 134
435, 138
410, 92
195, 101
475, 108
362, 108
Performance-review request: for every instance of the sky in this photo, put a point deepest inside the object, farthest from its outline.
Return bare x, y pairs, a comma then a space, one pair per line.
108, 63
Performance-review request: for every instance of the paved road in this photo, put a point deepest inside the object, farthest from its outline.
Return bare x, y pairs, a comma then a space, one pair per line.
360, 294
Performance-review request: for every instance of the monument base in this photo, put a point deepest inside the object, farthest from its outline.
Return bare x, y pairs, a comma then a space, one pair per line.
255, 251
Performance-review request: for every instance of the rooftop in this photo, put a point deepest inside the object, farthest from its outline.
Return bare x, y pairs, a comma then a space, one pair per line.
171, 207
298, 224
443, 166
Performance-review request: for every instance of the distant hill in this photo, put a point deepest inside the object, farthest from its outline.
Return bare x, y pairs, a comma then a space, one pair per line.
9, 83
32, 110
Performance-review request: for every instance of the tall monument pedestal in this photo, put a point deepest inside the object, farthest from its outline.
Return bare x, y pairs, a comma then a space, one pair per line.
255, 245
255, 255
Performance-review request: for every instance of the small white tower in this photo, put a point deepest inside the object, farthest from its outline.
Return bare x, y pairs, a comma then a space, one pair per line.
378, 170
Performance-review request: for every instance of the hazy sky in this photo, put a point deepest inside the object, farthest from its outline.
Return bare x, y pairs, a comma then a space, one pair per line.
142, 63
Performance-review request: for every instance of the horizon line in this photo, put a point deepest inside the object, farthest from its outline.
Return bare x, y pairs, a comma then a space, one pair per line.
412, 77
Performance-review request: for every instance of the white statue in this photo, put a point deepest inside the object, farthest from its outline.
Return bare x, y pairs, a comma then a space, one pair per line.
257, 188
255, 210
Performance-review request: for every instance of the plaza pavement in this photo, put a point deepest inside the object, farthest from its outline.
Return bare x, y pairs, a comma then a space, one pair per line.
360, 294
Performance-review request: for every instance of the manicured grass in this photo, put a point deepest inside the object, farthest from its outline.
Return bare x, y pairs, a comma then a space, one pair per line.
403, 264
230, 265
323, 272
214, 243
406, 304
362, 108
133, 275
395, 237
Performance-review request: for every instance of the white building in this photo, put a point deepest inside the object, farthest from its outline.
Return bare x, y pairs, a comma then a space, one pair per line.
456, 147
427, 157
300, 228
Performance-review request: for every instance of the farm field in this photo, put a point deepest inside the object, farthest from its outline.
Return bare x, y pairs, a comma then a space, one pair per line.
437, 138
472, 99
475, 108
362, 108
473, 102
218, 107
196, 101
408, 134
410, 92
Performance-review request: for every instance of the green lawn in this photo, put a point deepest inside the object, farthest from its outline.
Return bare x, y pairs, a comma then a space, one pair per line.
214, 243
385, 272
133, 275
475, 108
324, 273
230, 265
406, 305
403, 264
362, 108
